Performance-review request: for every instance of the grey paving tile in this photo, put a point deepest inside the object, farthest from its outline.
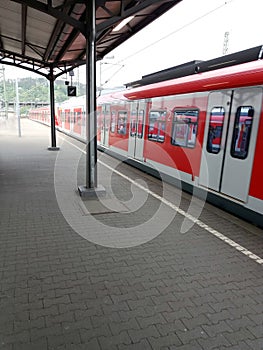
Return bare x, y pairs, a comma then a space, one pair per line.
60, 291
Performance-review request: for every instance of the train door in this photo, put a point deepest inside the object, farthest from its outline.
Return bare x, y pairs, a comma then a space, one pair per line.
105, 125
136, 136
77, 120
67, 119
99, 123
229, 141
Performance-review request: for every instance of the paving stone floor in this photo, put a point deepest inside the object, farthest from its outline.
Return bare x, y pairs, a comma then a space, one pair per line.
61, 288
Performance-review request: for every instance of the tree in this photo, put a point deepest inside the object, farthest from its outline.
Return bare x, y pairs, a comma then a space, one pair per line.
36, 90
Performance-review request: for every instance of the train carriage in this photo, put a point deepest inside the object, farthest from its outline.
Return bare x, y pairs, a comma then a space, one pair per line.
203, 128
41, 114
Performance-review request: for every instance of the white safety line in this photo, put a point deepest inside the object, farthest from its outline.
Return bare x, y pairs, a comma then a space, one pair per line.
198, 222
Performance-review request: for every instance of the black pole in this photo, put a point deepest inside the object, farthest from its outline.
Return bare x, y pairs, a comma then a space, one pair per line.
91, 122
52, 112
91, 188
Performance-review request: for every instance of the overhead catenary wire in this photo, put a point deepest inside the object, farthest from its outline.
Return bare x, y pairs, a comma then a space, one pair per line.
175, 31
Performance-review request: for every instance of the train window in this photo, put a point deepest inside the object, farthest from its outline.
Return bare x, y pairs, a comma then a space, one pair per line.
184, 129
242, 131
140, 123
67, 114
215, 129
113, 122
156, 130
79, 116
133, 123
83, 118
122, 122
107, 123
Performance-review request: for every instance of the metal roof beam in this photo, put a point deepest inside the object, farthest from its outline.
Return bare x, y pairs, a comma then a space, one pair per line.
23, 29
36, 49
52, 11
56, 32
22, 58
68, 25
70, 40
73, 2
126, 13
37, 66
1, 43
53, 39
132, 30
67, 44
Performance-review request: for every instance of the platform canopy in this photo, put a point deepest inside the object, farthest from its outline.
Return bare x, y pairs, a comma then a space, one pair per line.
38, 35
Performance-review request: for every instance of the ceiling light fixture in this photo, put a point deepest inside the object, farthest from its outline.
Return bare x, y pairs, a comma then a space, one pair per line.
122, 23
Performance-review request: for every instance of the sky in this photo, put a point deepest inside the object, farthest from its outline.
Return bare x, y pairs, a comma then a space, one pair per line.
192, 30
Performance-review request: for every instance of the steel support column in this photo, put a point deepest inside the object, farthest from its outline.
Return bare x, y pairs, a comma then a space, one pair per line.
91, 171
91, 188
52, 112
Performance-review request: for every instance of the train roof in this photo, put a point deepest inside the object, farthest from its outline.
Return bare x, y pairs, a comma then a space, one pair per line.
244, 68
246, 74
197, 66
73, 101
112, 97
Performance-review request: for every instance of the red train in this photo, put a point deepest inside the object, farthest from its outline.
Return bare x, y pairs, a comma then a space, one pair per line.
199, 124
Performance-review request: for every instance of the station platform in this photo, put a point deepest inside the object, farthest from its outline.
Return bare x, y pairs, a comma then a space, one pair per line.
143, 267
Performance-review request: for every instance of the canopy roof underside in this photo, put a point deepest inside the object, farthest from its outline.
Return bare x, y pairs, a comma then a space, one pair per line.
42, 34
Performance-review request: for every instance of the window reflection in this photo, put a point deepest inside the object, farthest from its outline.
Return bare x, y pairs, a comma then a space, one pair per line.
215, 130
156, 130
184, 130
242, 132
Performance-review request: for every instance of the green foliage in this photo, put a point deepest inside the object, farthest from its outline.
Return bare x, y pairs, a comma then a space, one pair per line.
36, 90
